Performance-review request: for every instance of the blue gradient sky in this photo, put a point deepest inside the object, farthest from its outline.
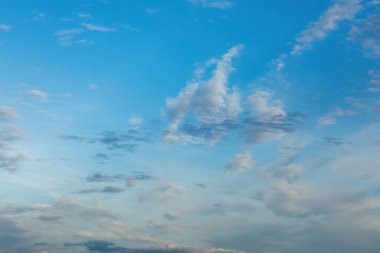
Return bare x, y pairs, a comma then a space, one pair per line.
189, 126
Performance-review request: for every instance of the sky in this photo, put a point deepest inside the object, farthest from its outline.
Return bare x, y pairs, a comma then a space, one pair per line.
189, 126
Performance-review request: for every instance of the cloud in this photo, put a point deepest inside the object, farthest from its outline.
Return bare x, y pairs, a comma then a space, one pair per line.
43, 96
327, 22
172, 216
39, 16
207, 110
101, 157
217, 4
99, 178
366, 32
96, 28
131, 180
106, 189
267, 118
9, 160
5, 27
151, 10
135, 122
111, 140
64, 208
374, 81
68, 37
208, 101
325, 121
335, 141
138, 177
106, 246
12, 234
240, 163
131, 28
8, 114
260, 105
164, 193
84, 15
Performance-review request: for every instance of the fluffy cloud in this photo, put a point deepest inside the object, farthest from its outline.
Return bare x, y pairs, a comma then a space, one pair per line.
241, 162
327, 22
210, 102
135, 122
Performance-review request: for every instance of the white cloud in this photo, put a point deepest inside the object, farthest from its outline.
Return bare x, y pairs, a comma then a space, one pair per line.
240, 163
135, 122
268, 119
209, 101
5, 27
93, 27
327, 22
43, 96
84, 15
67, 37
261, 106
217, 4
325, 121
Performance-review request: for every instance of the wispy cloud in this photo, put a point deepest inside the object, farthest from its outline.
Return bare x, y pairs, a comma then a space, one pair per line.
97, 28
366, 32
327, 22
68, 37
8, 114
325, 121
374, 81
43, 96
5, 27
217, 4
39, 16
84, 15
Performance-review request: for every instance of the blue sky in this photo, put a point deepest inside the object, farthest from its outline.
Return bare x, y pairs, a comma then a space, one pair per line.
189, 126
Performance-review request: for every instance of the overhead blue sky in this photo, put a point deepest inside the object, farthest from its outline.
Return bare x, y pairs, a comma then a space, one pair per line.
190, 126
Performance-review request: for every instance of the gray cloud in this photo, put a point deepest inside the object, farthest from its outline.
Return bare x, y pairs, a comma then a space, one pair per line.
106, 189
113, 141
8, 114
106, 246
63, 208
12, 234
9, 159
